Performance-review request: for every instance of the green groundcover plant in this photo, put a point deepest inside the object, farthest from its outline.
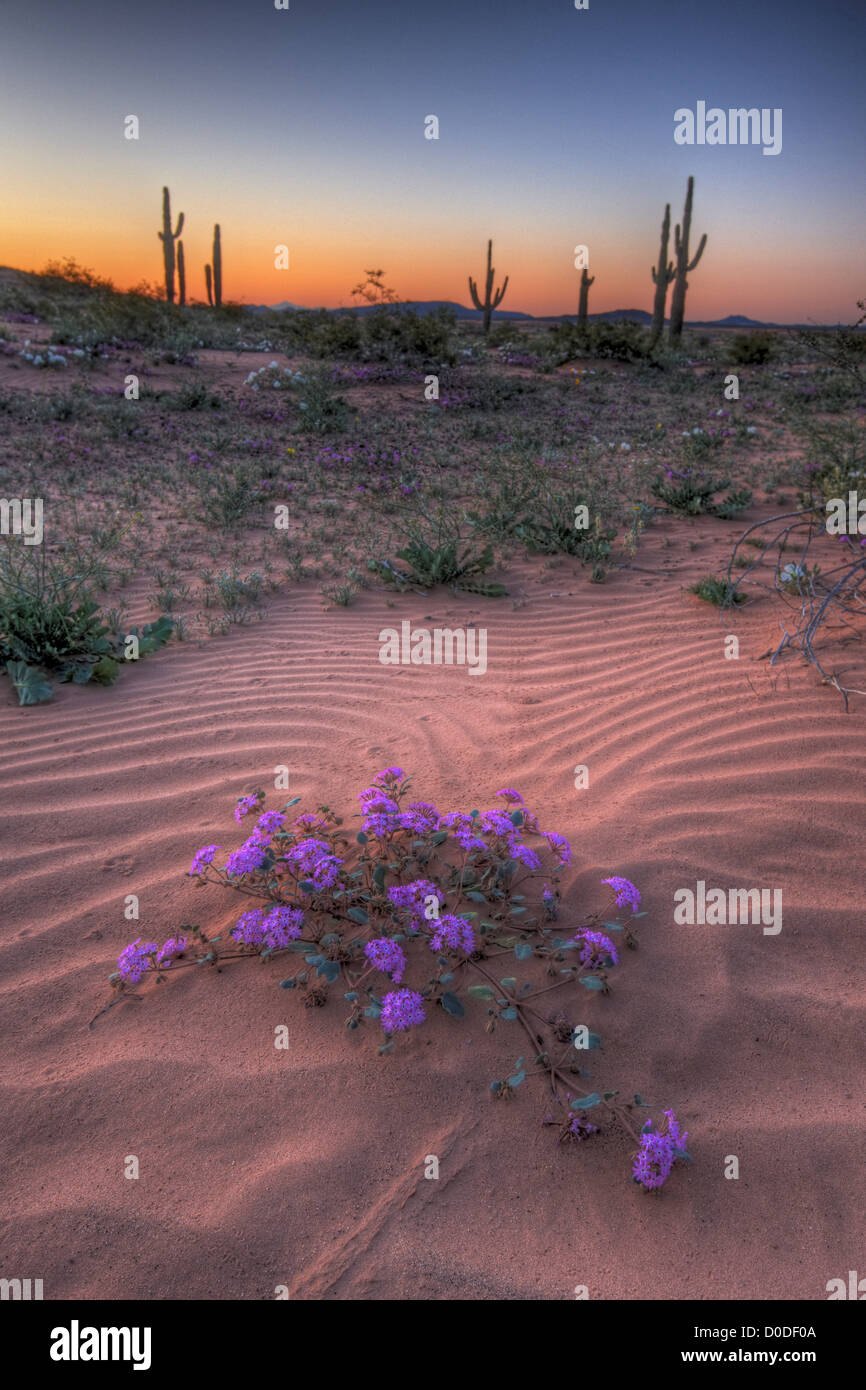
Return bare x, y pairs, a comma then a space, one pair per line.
418, 911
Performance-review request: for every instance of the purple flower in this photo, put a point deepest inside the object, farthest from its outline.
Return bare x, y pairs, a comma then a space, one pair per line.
381, 815
282, 925
389, 774
310, 821
653, 1160
678, 1139
454, 932
269, 823
404, 1008
245, 805
595, 947
312, 859
523, 854
496, 823
134, 960
560, 847
625, 891
579, 1127
203, 858
247, 859
657, 1153
548, 897
169, 950
420, 816
386, 955
511, 796
410, 897
248, 928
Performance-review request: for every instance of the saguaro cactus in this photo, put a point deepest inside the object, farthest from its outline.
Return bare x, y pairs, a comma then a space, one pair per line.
168, 238
491, 300
684, 265
209, 284
217, 268
181, 276
662, 275
585, 282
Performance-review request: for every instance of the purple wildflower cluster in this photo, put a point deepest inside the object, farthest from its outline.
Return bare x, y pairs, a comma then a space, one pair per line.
657, 1153
595, 948
410, 899
453, 932
386, 955
624, 891
274, 929
139, 956
291, 860
404, 1008
313, 862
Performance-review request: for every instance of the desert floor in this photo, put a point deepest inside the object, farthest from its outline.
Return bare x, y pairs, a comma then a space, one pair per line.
305, 1167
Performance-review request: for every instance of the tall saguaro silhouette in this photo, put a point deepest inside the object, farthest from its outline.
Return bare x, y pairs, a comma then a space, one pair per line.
585, 282
491, 301
168, 238
684, 265
662, 275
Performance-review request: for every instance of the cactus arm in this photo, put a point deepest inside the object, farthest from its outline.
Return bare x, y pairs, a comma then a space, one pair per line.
179, 226
500, 294
697, 256
473, 290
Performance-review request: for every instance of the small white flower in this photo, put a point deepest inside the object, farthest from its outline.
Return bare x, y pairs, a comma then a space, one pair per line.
750, 429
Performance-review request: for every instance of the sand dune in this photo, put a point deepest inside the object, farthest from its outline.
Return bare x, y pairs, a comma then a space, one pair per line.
305, 1168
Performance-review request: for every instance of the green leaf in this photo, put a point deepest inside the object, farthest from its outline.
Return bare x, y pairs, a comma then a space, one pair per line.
496, 1086
358, 914
609, 1095
314, 959
387, 1047
379, 875
31, 685
351, 996
523, 950
330, 969
516, 817
586, 1102
440, 837
639, 1100
481, 991
510, 982
477, 897
517, 1078
372, 1011
510, 1013
288, 984
451, 1004
591, 981
361, 837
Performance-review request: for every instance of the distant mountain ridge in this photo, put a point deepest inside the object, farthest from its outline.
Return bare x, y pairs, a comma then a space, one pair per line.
460, 311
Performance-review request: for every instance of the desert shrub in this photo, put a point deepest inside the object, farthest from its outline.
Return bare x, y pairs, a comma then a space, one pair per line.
750, 348
396, 334
51, 627
837, 452
227, 496
620, 341
717, 591
435, 554
322, 410
691, 493
559, 524
419, 912
195, 395
334, 335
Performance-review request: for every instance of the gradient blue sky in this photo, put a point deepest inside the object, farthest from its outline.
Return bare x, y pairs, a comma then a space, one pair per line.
305, 127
